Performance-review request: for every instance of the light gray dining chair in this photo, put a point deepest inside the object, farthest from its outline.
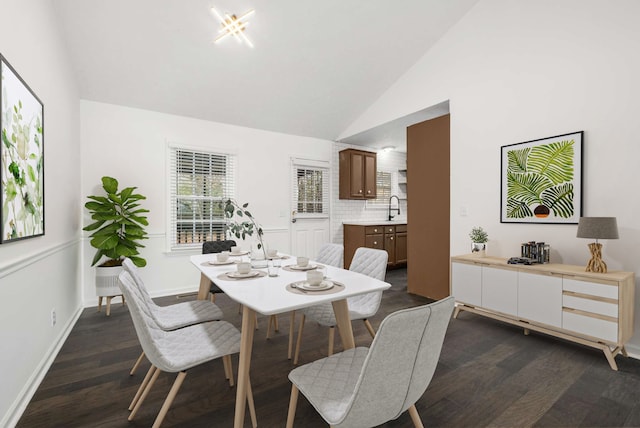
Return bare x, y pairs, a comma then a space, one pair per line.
331, 254
173, 316
367, 261
366, 387
177, 351
328, 254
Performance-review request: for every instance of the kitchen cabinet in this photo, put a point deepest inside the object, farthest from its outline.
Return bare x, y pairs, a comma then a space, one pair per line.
358, 173
592, 309
389, 237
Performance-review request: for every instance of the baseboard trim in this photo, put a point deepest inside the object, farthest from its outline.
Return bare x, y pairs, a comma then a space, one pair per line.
18, 407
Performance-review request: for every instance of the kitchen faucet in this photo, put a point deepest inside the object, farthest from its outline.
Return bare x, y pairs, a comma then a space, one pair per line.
396, 209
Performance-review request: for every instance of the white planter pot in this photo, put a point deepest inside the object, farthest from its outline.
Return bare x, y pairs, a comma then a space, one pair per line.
479, 249
107, 281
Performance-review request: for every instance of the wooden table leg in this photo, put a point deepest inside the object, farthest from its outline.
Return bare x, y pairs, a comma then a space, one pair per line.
205, 286
341, 310
246, 344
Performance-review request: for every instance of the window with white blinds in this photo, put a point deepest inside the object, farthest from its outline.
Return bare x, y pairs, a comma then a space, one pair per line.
310, 190
199, 183
383, 189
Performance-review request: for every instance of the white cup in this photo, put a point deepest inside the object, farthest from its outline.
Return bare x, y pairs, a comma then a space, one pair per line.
314, 277
302, 261
222, 257
272, 253
235, 250
244, 267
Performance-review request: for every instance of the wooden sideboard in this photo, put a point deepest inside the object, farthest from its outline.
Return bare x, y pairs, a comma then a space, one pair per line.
593, 309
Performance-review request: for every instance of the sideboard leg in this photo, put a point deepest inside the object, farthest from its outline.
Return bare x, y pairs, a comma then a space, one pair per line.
623, 351
456, 312
610, 358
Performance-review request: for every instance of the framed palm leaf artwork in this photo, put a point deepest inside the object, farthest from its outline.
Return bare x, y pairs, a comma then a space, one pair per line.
21, 158
541, 180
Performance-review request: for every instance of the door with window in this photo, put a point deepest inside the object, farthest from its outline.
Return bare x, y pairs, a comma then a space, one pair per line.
310, 223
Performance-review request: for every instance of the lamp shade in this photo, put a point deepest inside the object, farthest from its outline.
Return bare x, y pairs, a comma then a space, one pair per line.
598, 228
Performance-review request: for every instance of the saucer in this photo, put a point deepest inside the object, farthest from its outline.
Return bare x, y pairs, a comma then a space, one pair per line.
235, 274
304, 285
217, 263
239, 253
303, 268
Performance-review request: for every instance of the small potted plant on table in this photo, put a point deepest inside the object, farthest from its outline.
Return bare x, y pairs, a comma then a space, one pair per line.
479, 240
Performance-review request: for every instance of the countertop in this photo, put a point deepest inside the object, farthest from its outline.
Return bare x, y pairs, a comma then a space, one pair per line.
375, 223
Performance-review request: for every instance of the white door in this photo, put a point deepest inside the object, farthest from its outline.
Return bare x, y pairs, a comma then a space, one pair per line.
309, 206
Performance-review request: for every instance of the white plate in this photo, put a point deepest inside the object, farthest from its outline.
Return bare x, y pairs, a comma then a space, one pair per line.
236, 274
217, 263
304, 285
308, 267
240, 253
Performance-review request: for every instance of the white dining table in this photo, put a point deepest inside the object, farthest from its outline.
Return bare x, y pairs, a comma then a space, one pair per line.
269, 296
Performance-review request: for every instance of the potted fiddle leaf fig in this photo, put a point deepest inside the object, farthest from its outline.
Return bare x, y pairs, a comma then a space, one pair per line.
119, 225
479, 240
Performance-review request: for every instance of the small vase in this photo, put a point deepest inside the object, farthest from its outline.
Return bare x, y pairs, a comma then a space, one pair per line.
479, 249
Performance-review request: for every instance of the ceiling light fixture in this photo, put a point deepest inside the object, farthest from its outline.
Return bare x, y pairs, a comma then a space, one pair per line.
386, 149
233, 26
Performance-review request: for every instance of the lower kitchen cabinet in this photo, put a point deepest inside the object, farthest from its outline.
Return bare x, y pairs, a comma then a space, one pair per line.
389, 237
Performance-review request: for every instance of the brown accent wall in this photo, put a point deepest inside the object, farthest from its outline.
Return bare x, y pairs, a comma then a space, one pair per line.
428, 216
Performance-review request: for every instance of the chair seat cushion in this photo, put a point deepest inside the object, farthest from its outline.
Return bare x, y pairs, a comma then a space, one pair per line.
188, 347
329, 383
323, 313
187, 313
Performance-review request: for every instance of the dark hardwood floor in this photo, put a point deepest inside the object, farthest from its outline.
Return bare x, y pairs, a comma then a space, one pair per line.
489, 374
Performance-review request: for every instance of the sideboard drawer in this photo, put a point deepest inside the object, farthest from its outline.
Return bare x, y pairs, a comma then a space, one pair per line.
589, 305
592, 288
595, 327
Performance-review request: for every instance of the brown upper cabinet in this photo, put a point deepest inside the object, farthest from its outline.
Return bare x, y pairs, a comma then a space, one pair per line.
357, 174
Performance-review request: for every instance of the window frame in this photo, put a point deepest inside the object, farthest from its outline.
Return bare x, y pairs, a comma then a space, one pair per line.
172, 198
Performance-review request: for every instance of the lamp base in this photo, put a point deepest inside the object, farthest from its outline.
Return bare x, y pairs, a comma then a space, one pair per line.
596, 264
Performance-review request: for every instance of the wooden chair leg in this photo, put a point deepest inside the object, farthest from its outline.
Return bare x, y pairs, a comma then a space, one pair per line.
415, 417
167, 402
292, 324
252, 407
143, 385
99, 303
123, 301
156, 373
297, 353
228, 369
293, 403
269, 326
137, 364
367, 324
275, 324
109, 305
332, 335
213, 297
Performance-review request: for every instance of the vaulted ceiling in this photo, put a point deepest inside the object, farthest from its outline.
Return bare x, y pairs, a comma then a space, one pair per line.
315, 67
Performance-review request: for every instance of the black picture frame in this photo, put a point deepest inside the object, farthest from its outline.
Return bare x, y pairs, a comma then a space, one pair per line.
541, 180
21, 158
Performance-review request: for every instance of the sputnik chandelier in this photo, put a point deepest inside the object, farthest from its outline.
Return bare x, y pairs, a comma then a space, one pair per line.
233, 26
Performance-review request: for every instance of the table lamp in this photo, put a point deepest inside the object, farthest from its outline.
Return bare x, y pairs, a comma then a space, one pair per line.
597, 228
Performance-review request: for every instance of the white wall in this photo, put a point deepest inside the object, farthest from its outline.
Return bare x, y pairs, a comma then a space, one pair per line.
520, 70
130, 145
41, 273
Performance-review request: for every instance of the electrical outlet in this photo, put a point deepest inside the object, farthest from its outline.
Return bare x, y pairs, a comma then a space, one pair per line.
53, 317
